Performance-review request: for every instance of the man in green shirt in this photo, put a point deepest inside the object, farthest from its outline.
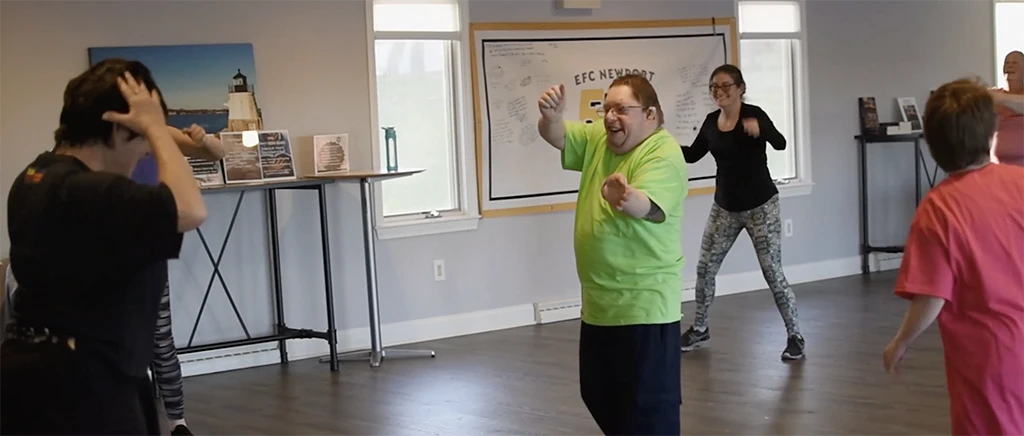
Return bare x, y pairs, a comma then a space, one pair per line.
628, 256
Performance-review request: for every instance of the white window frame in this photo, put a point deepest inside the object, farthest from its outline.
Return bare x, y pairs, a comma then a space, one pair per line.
466, 217
801, 143
999, 57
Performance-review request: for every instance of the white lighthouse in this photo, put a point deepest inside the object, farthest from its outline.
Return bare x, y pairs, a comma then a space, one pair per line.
243, 112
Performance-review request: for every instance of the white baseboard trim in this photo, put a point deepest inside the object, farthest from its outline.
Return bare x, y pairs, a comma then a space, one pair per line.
885, 261
737, 283
206, 362
490, 320
355, 339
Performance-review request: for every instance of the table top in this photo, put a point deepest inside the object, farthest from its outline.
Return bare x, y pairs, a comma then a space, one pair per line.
904, 137
300, 182
314, 180
357, 175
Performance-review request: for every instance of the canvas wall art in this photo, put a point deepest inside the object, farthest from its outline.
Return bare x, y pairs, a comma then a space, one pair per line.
211, 85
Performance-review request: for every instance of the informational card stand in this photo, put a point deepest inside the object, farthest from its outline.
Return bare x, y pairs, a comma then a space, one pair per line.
276, 157
270, 158
330, 153
207, 173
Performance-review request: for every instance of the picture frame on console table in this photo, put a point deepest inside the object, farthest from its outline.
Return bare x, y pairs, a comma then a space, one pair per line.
277, 159
207, 173
331, 153
241, 163
271, 158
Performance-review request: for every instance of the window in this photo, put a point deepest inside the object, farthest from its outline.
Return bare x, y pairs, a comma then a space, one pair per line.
1009, 33
419, 76
772, 58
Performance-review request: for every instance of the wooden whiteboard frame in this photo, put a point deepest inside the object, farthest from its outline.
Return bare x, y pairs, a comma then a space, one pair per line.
732, 33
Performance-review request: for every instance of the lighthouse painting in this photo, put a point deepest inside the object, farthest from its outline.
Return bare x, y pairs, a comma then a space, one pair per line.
211, 85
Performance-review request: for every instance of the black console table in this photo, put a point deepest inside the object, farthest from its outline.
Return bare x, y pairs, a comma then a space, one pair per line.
862, 142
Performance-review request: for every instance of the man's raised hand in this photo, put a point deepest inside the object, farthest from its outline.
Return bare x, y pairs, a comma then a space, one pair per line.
552, 102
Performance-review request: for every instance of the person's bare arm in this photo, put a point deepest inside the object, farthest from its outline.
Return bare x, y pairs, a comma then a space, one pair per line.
208, 148
552, 124
1014, 102
552, 129
175, 172
922, 313
145, 115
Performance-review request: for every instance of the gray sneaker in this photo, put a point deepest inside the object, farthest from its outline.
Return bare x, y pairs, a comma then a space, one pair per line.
694, 339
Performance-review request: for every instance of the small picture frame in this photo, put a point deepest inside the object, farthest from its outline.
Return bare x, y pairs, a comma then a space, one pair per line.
276, 158
911, 113
331, 153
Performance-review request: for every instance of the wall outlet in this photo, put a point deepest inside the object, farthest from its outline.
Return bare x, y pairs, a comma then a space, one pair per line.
787, 227
439, 270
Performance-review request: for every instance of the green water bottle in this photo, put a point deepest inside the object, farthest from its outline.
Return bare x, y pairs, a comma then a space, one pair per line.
391, 148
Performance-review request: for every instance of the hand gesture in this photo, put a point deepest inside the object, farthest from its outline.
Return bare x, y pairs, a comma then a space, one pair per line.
197, 133
552, 102
144, 110
893, 356
752, 127
616, 191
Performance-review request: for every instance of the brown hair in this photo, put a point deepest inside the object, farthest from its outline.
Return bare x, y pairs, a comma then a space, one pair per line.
643, 92
959, 122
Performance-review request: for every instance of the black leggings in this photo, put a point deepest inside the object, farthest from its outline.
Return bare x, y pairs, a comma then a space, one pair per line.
166, 367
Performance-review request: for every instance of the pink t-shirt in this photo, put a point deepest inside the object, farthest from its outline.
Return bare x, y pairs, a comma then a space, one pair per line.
1009, 142
966, 245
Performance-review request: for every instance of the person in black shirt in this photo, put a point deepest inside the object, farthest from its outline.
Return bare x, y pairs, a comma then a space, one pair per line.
91, 248
745, 198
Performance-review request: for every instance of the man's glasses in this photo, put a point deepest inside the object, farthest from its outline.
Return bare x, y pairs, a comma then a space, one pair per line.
620, 110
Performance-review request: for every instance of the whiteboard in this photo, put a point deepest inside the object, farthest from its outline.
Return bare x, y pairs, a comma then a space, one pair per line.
518, 172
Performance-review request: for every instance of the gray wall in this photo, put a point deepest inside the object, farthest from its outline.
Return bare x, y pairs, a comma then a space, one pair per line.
312, 66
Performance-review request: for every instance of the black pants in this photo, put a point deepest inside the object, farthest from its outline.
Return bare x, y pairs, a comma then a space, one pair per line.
50, 389
630, 378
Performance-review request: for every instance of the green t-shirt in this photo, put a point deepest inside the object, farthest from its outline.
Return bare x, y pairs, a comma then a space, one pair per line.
630, 269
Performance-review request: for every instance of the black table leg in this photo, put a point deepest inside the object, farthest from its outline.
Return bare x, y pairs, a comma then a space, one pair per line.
863, 207
275, 261
332, 335
918, 160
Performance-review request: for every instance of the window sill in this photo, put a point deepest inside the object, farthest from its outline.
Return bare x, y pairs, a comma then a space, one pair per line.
396, 229
795, 189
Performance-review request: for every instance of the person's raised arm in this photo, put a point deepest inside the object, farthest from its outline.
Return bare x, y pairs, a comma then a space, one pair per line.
657, 189
769, 132
552, 124
1014, 102
146, 116
194, 142
699, 148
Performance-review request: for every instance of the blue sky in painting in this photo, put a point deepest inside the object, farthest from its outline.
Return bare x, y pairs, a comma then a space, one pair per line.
190, 76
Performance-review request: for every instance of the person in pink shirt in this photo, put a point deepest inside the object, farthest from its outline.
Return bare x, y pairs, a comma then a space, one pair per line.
1009, 145
963, 264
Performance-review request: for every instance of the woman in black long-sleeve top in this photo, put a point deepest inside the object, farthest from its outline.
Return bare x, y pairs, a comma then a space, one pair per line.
745, 198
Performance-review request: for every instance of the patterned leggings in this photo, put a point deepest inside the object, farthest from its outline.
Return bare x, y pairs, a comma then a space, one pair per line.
765, 229
166, 368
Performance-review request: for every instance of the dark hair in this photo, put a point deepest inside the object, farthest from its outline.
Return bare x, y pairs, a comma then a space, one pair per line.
734, 73
643, 92
959, 122
94, 92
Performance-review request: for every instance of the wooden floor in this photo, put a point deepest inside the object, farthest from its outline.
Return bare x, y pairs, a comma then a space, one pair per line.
523, 381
